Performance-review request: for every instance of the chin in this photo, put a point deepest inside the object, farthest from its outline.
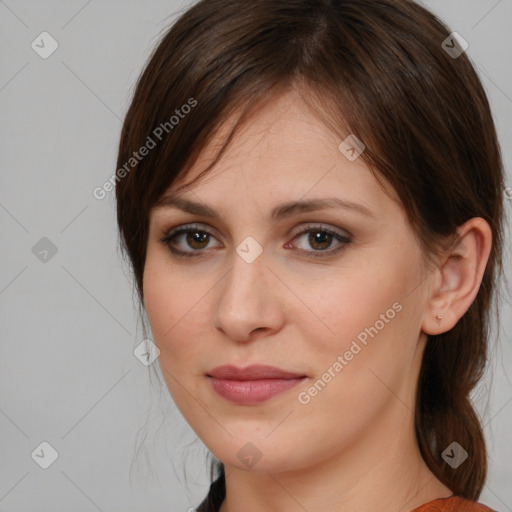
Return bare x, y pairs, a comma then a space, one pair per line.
255, 457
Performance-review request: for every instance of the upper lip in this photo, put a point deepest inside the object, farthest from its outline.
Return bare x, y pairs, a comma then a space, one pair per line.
253, 372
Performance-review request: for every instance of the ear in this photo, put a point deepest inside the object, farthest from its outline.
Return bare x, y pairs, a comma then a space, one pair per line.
458, 277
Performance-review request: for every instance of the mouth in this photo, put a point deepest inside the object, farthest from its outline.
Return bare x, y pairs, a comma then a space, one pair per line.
253, 384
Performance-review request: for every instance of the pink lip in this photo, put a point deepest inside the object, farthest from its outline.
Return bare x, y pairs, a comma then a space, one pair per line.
253, 384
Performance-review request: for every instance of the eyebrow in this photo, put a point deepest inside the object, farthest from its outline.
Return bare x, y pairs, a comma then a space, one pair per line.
279, 212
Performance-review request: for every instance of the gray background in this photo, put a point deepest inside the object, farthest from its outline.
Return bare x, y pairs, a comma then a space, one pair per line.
68, 375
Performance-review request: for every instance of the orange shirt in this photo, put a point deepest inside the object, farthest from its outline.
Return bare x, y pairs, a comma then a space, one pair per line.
452, 504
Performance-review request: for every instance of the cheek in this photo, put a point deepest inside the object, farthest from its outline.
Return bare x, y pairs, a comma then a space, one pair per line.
172, 308
177, 310
364, 312
352, 300
175, 303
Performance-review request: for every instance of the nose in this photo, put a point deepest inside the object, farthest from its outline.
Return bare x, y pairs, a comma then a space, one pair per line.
249, 301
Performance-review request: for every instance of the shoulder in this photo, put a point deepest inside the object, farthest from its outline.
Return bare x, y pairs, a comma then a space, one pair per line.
453, 504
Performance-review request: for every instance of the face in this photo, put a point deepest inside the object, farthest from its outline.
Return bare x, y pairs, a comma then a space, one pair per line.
334, 295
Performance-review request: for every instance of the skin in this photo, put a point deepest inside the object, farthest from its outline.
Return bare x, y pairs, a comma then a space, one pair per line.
352, 447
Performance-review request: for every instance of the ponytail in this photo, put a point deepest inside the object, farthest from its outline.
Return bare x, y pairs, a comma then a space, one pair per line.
444, 412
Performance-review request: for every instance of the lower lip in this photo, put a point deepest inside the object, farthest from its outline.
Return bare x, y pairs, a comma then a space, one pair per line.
252, 391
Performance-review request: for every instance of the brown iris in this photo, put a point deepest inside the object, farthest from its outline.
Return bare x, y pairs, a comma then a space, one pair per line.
197, 237
320, 237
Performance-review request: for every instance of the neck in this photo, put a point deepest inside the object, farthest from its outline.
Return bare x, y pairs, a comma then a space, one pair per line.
379, 471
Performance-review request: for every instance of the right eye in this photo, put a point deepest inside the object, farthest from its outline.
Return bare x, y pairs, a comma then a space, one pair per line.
195, 237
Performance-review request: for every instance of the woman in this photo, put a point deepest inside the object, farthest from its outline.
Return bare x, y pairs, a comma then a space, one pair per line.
310, 196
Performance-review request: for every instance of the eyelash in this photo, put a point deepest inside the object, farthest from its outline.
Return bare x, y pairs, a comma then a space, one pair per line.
170, 236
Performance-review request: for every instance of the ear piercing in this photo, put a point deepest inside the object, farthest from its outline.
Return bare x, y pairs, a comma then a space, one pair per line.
438, 319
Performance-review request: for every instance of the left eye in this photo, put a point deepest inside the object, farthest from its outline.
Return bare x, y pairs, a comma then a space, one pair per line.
321, 240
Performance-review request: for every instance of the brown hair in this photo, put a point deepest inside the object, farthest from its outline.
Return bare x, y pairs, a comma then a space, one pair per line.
373, 68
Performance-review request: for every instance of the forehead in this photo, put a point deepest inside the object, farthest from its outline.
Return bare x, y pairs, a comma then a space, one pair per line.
283, 151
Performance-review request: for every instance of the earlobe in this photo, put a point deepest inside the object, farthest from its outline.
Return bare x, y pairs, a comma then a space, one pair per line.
459, 277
